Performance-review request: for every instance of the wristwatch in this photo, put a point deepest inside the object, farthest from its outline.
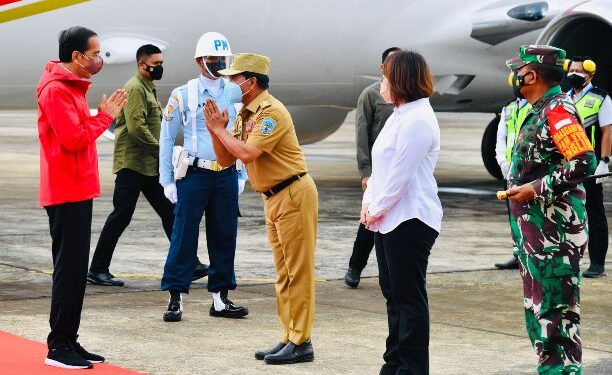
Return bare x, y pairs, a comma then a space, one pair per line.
606, 159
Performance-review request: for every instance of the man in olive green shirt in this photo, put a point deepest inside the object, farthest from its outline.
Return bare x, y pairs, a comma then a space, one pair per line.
371, 115
136, 163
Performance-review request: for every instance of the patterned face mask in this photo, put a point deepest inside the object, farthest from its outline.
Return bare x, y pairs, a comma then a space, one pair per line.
95, 64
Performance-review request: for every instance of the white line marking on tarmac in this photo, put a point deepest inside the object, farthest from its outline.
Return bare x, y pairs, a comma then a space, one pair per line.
465, 191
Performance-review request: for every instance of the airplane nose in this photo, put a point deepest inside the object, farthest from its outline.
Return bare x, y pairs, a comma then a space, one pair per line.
121, 49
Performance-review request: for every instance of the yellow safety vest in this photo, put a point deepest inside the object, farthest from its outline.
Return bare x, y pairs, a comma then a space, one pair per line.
514, 117
588, 108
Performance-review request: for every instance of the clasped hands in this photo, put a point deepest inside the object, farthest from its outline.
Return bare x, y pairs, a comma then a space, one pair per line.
366, 219
215, 120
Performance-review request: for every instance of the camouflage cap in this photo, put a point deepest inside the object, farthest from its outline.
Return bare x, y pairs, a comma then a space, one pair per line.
247, 62
540, 54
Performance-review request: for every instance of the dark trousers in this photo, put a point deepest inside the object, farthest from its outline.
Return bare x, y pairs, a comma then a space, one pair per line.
598, 223
361, 248
216, 194
402, 263
128, 186
70, 228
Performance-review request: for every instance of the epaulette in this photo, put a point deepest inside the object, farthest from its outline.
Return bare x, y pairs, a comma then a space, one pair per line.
265, 104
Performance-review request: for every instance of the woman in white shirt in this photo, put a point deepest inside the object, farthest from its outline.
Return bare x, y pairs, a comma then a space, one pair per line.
402, 207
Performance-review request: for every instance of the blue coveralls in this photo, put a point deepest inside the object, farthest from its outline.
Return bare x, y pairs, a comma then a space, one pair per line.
200, 192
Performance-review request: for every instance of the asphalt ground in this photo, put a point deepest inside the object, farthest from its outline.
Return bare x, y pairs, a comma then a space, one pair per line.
476, 312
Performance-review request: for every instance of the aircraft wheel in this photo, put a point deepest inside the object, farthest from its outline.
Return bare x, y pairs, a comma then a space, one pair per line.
487, 149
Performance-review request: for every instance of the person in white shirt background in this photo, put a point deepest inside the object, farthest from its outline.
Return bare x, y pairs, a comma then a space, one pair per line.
595, 109
510, 121
402, 207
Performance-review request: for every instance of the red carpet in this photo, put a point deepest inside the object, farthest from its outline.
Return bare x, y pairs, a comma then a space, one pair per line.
19, 356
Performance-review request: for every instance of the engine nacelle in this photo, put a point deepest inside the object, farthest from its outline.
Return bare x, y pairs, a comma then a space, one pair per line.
585, 29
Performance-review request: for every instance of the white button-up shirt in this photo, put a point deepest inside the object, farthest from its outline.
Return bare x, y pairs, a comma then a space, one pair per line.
404, 156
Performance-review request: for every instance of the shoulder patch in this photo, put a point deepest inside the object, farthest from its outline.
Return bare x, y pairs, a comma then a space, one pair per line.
170, 108
267, 125
567, 133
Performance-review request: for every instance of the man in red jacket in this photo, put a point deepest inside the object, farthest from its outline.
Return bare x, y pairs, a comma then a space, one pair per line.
69, 181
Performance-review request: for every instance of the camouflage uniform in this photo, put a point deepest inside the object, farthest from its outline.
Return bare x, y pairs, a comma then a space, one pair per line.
553, 153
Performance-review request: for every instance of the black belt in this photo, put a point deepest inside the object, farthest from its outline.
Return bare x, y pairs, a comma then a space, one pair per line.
281, 185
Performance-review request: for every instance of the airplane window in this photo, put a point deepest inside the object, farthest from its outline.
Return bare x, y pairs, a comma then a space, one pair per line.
529, 12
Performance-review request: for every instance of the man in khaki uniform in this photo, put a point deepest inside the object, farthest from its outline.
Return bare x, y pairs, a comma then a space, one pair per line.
264, 139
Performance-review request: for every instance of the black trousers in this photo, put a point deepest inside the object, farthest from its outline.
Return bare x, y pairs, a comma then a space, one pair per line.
598, 223
128, 186
361, 248
402, 263
70, 228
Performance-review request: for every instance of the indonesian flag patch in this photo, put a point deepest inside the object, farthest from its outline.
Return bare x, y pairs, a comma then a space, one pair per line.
567, 133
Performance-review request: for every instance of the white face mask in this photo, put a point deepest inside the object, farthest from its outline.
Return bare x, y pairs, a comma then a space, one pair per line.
384, 91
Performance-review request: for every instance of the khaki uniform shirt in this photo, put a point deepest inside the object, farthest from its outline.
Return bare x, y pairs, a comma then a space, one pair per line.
137, 130
266, 124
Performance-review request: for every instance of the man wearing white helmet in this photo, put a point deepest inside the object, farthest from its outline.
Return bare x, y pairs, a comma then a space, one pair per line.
198, 185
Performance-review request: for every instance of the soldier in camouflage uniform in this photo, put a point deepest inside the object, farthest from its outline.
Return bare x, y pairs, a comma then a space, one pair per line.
550, 160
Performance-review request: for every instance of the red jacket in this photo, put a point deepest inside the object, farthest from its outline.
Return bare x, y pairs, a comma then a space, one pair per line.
67, 133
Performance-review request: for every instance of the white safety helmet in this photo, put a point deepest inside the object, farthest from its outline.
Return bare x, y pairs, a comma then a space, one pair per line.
214, 44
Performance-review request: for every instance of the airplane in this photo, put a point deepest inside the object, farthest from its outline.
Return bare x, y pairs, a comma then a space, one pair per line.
323, 53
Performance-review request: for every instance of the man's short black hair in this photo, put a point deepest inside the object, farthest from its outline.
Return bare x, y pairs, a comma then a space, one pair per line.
146, 51
73, 39
552, 75
581, 58
386, 53
263, 81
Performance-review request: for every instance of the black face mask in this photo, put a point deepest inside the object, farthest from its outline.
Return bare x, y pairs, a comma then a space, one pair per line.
156, 71
517, 83
214, 67
577, 81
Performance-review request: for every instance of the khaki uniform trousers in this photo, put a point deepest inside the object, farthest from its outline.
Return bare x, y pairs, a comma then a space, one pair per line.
291, 225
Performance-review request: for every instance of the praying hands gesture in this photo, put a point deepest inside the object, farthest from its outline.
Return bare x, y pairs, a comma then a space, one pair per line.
215, 119
114, 104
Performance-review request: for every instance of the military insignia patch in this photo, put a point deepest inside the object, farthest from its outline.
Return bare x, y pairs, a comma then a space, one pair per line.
172, 105
567, 133
267, 126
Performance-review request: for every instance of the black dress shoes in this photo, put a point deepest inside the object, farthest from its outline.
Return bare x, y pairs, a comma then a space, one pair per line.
352, 278
174, 313
230, 310
292, 353
103, 278
512, 264
595, 271
263, 353
200, 271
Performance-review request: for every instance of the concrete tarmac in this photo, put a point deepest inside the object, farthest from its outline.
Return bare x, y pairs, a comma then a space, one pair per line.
477, 322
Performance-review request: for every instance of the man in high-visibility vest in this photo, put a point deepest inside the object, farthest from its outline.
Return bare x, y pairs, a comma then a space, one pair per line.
511, 118
595, 110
